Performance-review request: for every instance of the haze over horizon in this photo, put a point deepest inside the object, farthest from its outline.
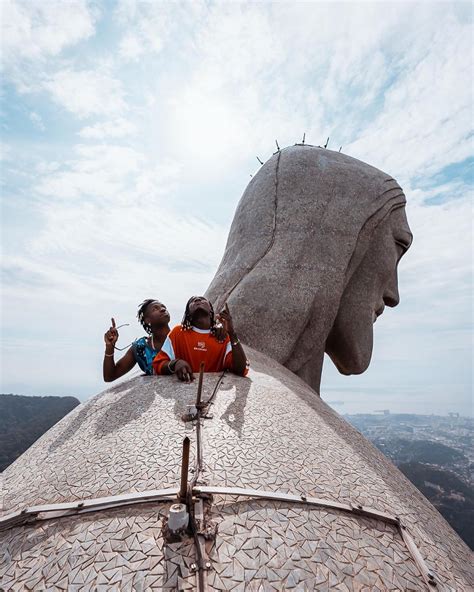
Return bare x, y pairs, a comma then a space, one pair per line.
130, 131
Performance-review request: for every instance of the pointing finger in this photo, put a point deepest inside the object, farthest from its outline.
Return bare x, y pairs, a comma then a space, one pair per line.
113, 322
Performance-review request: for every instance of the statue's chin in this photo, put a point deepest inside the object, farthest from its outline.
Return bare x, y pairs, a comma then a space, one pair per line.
350, 356
350, 367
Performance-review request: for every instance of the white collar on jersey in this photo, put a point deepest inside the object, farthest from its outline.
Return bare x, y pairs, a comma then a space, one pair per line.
200, 330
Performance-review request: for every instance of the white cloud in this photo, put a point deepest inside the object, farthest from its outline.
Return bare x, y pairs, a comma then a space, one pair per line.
427, 116
441, 255
37, 121
148, 26
96, 236
132, 47
114, 194
5, 151
100, 171
117, 128
34, 34
442, 192
87, 92
43, 167
34, 30
266, 71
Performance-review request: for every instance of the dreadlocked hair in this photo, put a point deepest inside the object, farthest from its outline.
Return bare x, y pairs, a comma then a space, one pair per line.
141, 314
186, 323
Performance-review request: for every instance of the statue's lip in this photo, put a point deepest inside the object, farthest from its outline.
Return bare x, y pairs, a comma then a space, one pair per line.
378, 312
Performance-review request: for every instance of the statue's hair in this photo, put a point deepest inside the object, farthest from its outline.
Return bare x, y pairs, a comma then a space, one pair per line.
186, 323
141, 314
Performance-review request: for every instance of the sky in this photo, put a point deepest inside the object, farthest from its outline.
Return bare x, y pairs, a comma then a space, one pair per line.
131, 129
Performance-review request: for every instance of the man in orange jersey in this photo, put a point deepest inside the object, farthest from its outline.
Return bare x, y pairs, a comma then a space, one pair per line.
194, 341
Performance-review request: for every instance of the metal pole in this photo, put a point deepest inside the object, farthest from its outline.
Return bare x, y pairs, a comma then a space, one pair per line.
201, 376
184, 471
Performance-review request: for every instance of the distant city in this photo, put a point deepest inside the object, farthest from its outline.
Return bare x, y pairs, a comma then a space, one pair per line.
435, 452
454, 432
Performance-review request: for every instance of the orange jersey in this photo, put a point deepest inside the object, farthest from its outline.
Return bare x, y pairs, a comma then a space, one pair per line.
194, 346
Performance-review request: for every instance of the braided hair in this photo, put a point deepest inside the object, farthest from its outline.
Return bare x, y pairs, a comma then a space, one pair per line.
186, 323
141, 314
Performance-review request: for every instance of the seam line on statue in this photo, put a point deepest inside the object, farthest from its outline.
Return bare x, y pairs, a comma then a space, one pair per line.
272, 240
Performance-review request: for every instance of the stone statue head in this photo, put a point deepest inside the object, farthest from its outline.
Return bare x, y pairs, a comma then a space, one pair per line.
311, 259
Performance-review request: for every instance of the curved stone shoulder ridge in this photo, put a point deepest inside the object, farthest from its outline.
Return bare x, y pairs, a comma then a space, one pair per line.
270, 432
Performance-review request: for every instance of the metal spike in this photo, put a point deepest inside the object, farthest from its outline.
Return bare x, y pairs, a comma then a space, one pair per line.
304, 136
340, 148
276, 142
327, 142
259, 160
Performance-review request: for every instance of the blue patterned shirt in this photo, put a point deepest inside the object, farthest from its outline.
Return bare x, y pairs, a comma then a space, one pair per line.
144, 354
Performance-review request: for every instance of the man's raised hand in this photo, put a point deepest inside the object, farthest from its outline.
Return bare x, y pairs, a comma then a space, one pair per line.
226, 319
112, 335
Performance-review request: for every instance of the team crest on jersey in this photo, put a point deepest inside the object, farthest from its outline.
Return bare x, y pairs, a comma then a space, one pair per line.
201, 345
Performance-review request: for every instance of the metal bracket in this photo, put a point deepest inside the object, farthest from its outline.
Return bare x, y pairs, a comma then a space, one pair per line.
49, 511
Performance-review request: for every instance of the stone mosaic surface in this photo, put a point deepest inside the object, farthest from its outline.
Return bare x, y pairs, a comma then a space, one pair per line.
125, 439
283, 547
269, 431
105, 551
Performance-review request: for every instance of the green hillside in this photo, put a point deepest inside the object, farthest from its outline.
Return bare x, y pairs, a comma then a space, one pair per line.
25, 419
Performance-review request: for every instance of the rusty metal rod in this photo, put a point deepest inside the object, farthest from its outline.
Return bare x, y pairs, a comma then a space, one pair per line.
198, 447
183, 490
199, 393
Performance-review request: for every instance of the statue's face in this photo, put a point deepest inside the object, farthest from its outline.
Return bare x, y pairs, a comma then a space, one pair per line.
373, 285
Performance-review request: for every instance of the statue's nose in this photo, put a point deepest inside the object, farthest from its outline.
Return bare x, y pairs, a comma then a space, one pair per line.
391, 296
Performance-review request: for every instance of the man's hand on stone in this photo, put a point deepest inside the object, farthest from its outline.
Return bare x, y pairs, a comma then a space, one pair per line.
183, 371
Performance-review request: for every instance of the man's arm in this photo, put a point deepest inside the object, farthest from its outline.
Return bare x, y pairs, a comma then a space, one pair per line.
111, 370
239, 359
